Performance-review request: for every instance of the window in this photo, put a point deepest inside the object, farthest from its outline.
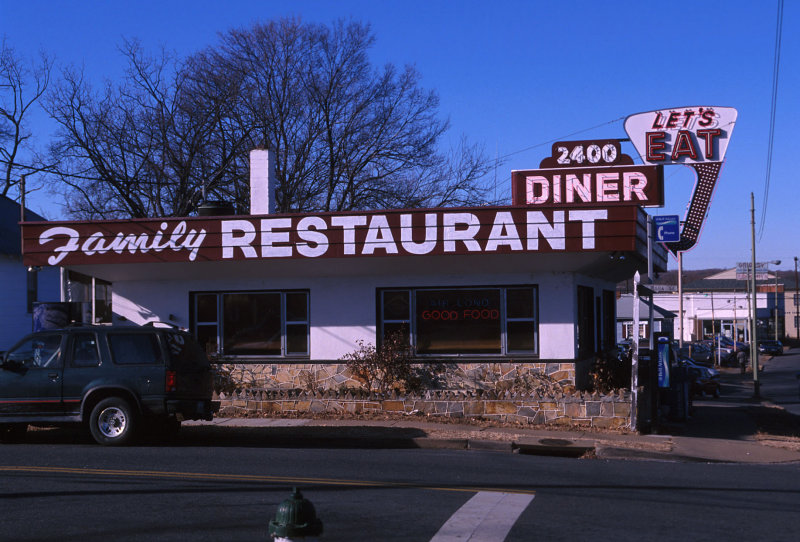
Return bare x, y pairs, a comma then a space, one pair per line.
453, 321
627, 329
84, 350
32, 290
39, 351
93, 294
184, 352
249, 324
134, 348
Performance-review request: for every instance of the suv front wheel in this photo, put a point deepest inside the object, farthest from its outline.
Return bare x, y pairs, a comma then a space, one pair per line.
112, 422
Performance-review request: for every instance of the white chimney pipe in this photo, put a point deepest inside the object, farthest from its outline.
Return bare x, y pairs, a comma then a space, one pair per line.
262, 182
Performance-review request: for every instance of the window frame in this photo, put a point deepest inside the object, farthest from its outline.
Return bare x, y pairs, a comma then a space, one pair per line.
220, 355
411, 322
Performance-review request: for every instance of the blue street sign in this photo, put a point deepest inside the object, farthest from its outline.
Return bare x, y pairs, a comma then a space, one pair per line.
667, 228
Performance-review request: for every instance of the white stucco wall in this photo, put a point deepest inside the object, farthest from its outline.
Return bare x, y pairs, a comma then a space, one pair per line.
343, 308
15, 320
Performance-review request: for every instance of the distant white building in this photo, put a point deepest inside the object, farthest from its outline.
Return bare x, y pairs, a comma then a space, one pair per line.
20, 288
720, 303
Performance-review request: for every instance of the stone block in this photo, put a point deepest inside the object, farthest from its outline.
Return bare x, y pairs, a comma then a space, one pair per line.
393, 406
610, 423
575, 410
561, 376
500, 407
528, 412
561, 420
592, 408
475, 408
622, 409
455, 407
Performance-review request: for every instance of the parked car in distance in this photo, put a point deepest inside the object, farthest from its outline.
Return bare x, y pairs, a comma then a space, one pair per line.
698, 352
116, 380
772, 348
703, 379
722, 351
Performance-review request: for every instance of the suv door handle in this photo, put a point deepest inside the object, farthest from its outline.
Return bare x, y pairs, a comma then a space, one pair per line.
53, 376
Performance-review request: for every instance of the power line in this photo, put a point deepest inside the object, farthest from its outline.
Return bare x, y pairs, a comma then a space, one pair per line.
775, 71
562, 138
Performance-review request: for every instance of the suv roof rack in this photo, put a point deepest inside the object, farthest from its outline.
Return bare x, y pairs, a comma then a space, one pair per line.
153, 323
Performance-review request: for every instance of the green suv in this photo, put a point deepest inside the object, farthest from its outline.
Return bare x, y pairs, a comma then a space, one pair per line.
115, 380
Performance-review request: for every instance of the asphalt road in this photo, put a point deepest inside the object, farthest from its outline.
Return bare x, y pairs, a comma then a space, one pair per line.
55, 490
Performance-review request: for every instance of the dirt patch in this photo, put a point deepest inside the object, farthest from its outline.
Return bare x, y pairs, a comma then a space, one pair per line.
776, 427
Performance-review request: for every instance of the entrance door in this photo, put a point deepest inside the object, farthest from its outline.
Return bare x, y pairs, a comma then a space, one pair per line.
586, 329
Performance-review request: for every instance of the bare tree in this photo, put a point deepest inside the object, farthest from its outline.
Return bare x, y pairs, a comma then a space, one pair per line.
22, 85
345, 135
148, 146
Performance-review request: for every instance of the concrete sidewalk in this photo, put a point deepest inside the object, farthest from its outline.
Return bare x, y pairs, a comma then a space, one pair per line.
425, 434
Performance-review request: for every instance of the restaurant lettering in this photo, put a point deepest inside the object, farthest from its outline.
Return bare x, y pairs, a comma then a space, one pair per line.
466, 231
98, 243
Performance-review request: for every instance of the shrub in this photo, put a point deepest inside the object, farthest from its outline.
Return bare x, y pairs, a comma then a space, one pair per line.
611, 371
383, 368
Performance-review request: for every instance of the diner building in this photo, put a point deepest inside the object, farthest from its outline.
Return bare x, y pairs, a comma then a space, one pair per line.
526, 288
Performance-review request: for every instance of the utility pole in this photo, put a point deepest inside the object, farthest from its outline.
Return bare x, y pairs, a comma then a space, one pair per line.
776, 303
753, 337
795, 299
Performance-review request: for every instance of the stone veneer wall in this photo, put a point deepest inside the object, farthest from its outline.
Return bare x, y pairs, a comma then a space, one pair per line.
572, 409
444, 375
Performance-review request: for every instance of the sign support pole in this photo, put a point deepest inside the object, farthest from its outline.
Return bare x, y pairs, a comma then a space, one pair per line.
680, 299
635, 355
650, 281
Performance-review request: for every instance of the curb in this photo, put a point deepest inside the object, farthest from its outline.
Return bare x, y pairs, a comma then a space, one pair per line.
490, 445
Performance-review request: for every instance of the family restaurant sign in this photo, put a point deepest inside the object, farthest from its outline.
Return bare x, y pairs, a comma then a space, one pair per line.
392, 233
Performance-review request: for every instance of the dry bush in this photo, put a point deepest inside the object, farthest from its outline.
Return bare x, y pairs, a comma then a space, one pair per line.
383, 368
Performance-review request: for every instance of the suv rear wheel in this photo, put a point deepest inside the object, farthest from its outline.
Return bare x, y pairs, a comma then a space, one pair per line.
112, 422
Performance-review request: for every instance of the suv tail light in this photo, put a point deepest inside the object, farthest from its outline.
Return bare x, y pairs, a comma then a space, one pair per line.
172, 381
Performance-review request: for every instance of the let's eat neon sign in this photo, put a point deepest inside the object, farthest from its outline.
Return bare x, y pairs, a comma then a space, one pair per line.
696, 136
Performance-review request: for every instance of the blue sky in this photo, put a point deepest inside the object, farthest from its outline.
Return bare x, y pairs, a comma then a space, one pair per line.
517, 75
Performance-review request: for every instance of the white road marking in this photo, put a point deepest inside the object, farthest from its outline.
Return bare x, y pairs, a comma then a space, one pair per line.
486, 517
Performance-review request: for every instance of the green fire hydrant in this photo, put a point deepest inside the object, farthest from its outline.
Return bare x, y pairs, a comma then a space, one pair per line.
295, 519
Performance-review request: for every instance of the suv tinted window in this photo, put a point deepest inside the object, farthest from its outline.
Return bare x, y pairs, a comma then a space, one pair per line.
38, 351
184, 351
134, 348
84, 350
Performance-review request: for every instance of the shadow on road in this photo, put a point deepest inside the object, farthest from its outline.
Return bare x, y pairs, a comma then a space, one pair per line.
737, 415
264, 437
